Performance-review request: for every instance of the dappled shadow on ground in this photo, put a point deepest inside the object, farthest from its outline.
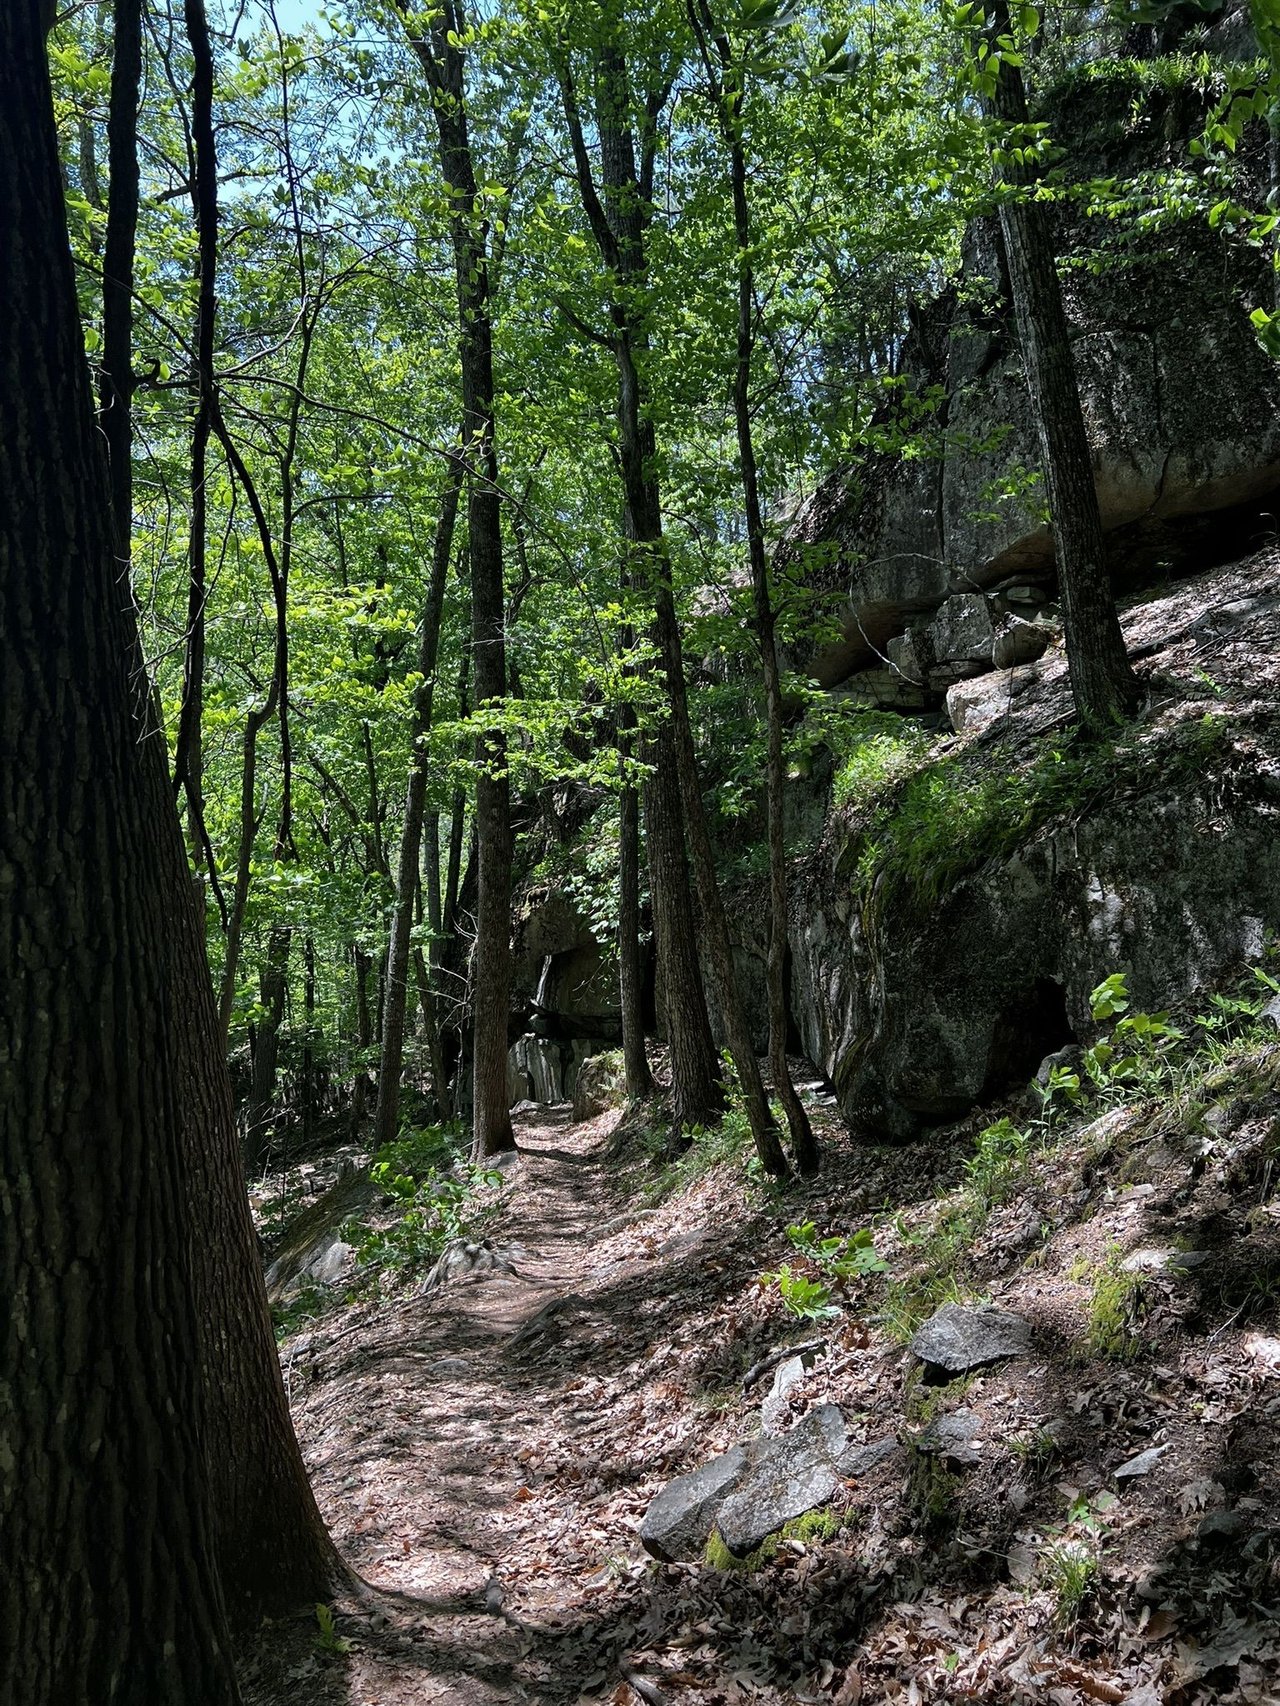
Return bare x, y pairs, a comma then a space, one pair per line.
484, 1454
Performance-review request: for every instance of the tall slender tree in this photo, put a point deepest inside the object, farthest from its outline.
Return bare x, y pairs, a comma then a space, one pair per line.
727, 89
269, 1540
440, 46
1103, 684
616, 214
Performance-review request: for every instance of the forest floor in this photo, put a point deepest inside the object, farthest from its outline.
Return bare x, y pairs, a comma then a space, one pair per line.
484, 1453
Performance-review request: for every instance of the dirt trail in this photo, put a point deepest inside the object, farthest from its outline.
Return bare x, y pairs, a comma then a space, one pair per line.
412, 1418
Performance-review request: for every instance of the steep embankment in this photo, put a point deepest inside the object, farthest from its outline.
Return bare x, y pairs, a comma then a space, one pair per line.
1095, 1519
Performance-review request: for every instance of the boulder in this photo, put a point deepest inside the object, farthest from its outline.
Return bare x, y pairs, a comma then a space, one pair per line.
1181, 405
679, 1520
915, 1014
750, 1491
791, 1473
600, 1085
1018, 642
962, 632
973, 705
960, 1336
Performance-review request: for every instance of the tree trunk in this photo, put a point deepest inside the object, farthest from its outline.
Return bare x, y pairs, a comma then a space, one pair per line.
696, 1088
638, 1078
618, 226
1103, 684
116, 389
387, 1119
108, 1588
635, 1060
189, 755
361, 963
728, 95
440, 54
273, 986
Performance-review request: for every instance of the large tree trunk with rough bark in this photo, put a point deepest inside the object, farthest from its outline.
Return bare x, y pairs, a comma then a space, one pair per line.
1103, 684
269, 1541
109, 1589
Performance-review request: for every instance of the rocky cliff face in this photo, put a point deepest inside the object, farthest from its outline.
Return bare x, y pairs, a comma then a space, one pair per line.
937, 960
930, 559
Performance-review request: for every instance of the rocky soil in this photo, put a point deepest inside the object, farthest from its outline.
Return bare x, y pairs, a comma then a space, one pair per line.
1097, 1519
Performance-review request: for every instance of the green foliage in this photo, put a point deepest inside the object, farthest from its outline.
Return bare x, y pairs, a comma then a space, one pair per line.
328, 1640
830, 1265
997, 1163
920, 822
438, 1197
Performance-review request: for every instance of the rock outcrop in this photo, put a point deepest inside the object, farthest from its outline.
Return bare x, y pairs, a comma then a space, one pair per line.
1165, 867
928, 558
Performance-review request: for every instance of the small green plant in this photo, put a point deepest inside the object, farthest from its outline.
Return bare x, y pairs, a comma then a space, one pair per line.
997, 1162
436, 1205
1070, 1570
829, 1265
328, 1640
1136, 1055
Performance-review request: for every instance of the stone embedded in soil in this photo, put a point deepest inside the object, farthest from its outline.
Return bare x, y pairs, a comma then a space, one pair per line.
959, 1337
751, 1490
1140, 1465
790, 1474
1159, 1259
678, 1522
953, 1438
775, 1409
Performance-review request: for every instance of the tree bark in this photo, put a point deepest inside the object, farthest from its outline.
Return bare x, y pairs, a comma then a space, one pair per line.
387, 1119
618, 226
1103, 684
189, 754
109, 1589
728, 95
116, 388
635, 1059
440, 54
273, 987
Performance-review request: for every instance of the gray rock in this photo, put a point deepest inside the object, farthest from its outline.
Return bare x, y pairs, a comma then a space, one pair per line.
791, 1474
885, 689
775, 1410
972, 705
1070, 1057
862, 1459
1218, 1527
1140, 1465
751, 1490
329, 1264
959, 1337
907, 655
679, 1520
1164, 1259
1181, 406
962, 631
953, 1438
1018, 642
